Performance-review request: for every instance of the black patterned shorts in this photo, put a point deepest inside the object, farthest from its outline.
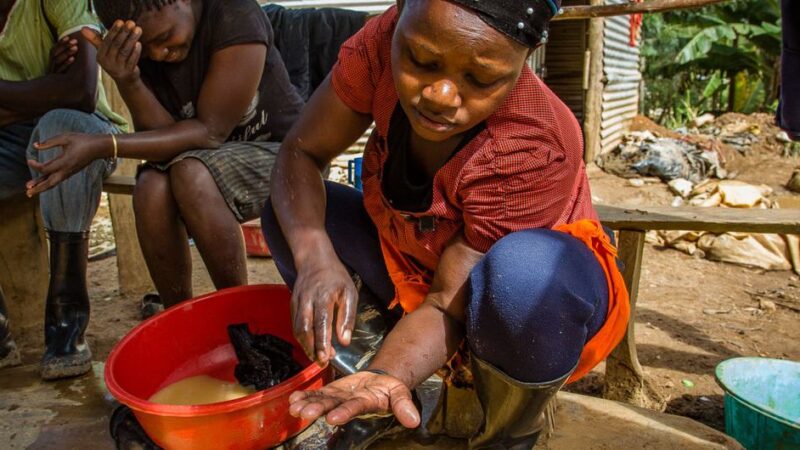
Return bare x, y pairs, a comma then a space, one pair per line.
240, 169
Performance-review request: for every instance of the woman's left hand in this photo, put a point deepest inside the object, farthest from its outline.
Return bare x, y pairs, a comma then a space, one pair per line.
355, 395
77, 151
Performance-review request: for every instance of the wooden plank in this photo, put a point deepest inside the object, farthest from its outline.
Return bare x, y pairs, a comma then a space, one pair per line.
24, 273
718, 220
119, 184
134, 278
654, 6
625, 380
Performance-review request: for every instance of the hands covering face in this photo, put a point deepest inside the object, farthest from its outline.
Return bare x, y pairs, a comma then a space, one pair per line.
118, 52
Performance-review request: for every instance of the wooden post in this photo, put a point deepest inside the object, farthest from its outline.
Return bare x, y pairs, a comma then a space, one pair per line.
594, 95
625, 379
132, 270
134, 277
24, 273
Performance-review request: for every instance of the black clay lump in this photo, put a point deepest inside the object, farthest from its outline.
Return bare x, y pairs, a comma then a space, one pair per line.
264, 360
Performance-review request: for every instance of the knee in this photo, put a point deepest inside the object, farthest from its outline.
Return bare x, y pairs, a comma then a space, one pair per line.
523, 280
190, 180
529, 263
151, 195
59, 121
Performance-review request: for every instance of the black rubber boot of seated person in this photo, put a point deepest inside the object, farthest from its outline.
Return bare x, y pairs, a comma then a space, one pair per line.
9, 355
67, 311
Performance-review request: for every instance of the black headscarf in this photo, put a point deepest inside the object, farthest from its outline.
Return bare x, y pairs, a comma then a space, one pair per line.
525, 21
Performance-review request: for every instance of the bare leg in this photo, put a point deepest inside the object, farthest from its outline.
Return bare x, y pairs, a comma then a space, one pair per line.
162, 237
211, 223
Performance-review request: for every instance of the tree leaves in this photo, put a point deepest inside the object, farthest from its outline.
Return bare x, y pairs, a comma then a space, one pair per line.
693, 56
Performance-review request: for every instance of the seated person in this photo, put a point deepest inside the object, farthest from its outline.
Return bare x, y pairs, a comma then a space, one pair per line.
49, 85
211, 100
476, 219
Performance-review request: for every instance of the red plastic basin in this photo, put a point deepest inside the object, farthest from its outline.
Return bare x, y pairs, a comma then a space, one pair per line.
254, 242
191, 339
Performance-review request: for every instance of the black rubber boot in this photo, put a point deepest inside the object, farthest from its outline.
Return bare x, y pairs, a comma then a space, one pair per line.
359, 434
127, 433
151, 305
9, 355
513, 410
373, 323
67, 313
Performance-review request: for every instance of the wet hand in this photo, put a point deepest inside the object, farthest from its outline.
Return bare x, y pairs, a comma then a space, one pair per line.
62, 55
357, 395
77, 151
321, 290
119, 51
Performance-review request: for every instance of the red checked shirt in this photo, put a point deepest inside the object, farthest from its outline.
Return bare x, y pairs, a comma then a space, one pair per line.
524, 170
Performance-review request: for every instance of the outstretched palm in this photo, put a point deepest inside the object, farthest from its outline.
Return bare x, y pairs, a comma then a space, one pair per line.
356, 395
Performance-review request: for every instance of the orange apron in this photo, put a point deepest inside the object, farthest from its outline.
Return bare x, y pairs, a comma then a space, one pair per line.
412, 283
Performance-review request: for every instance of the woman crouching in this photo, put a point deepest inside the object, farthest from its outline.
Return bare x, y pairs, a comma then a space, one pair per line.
476, 219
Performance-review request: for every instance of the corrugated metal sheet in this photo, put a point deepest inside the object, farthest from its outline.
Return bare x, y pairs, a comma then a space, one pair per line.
564, 63
621, 71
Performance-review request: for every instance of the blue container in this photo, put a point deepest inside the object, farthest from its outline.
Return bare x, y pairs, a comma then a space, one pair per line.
354, 172
762, 402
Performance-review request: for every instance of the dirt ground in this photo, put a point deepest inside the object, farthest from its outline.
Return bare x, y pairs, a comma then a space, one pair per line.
692, 313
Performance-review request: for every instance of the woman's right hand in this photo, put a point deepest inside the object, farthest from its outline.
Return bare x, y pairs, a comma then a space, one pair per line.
354, 395
119, 51
322, 287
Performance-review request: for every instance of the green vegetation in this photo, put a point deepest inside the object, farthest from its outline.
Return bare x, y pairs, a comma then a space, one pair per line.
715, 59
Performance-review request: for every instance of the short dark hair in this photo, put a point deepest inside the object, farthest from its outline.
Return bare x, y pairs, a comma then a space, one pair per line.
111, 10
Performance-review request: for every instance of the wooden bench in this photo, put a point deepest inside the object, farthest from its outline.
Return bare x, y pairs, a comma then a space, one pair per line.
119, 184
625, 380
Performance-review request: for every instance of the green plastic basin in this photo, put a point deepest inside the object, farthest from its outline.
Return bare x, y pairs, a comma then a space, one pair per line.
762, 402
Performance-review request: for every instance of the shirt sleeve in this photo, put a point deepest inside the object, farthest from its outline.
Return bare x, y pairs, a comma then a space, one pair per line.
361, 62
233, 22
515, 190
69, 16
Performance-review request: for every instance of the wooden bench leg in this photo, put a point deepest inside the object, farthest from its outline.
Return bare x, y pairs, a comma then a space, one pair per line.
625, 379
134, 279
23, 263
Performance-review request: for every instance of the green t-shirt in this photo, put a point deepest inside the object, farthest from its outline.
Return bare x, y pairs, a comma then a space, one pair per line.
26, 40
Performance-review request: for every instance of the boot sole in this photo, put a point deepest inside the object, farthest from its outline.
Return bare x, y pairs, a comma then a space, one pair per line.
67, 366
11, 359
